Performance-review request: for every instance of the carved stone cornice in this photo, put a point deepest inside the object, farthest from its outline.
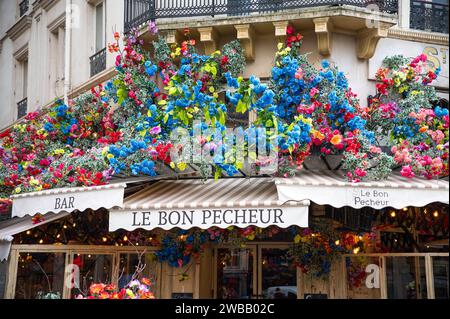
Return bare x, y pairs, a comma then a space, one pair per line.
419, 36
19, 28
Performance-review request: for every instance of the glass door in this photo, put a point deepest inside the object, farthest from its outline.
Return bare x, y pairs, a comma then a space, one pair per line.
255, 272
277, 276
236, 273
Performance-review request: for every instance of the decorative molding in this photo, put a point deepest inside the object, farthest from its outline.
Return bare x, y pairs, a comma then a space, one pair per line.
281, 30
19, 28
208, 36
419, 36
323, 28
47, 4
245, 34
22, 53
367, 40
171, 36
59, 22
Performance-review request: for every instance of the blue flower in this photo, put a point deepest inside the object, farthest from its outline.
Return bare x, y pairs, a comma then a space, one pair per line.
325, 64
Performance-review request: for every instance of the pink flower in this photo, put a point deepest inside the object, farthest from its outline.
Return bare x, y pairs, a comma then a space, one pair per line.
155, 131
407, 171
360, 172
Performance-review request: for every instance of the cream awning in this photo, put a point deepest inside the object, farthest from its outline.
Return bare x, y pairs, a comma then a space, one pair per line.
68, 200
193, 203
331, 188
12, 227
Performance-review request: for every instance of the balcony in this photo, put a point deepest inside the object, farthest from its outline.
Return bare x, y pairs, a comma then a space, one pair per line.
98, 62
23, 7
429, 16
22, 108
139, 12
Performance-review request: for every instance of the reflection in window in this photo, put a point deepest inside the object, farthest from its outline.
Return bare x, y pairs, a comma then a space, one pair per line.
94, 269
363, 277
440, 273
40, 276
406, 278
235, 274
130, 268
279, 276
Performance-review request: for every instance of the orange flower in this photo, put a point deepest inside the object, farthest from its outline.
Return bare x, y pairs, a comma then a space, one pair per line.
97, 288
423, 129
336, 140
318, 135
104, 295
146, 281
147, 295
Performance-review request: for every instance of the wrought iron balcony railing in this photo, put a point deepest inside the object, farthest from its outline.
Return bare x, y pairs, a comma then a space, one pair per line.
22, 108
429, 16
98, 62
138, 12
23, 7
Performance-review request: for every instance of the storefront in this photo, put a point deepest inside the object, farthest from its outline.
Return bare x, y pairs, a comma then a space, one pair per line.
246, 229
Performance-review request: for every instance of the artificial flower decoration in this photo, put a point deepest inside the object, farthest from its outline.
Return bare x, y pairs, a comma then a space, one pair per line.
124, 127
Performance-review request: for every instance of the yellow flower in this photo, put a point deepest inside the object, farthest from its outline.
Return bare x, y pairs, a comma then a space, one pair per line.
172, 165
182, 166
17, 190
109, 156
59, 152
297, 239
34, 182
440, 147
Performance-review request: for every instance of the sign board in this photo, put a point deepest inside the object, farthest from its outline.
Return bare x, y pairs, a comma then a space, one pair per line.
206, 218
359, 197
68, 200
438, 56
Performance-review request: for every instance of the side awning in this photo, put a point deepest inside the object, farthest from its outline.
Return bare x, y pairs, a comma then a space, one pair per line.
10, 228
330, 188
187, 204
68, 200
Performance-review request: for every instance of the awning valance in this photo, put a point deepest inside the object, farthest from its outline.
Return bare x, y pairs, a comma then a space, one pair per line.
330, 188
10, 228
193, 203
68, 200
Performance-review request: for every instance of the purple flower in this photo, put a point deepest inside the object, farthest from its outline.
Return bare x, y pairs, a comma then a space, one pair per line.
155, 131
152, 27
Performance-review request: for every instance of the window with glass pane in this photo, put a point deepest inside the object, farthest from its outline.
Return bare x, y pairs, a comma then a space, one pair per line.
99, 28
363, 277
235, 273
406, 278
440, 277
93, 269
40, 276
135, 266
279, 276
3, 269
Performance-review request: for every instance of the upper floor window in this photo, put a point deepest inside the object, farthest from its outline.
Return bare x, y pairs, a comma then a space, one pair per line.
21, 83
429, 15
98, 60
24, 5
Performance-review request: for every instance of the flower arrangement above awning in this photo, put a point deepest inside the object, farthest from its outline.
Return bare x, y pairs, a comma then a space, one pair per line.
328, 188
68, 200
224, 203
